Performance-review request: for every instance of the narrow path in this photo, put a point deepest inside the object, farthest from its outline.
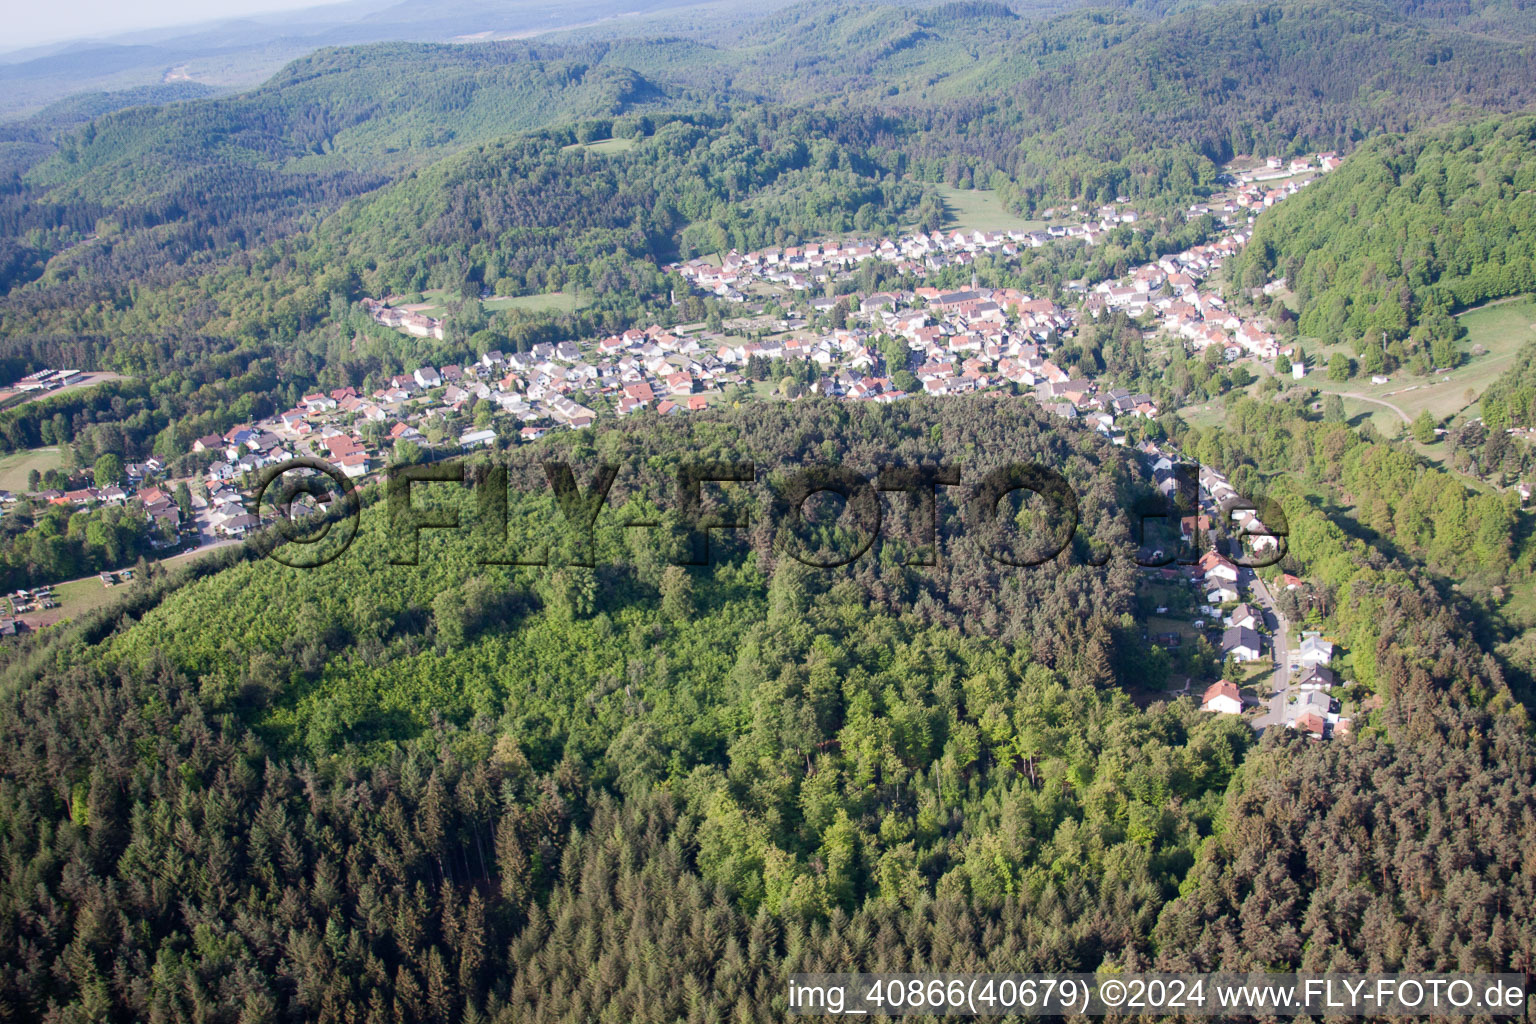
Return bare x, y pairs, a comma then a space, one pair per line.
1367, 398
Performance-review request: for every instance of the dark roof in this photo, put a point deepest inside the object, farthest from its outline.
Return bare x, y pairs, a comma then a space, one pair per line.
1320, 672
1239, 636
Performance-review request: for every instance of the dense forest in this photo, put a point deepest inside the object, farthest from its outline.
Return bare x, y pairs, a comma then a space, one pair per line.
457, 790
1083, 107
532, 214
1399, 504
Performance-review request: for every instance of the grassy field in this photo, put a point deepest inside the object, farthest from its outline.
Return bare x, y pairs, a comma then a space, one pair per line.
981, 210
1163, 624
74, 599
1207, 415
1251, 676
1519, 607
428, 306
606, 146
15, 466
79, 596
1500, 329
553, 302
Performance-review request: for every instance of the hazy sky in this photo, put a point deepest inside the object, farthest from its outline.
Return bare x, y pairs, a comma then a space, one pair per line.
31, 23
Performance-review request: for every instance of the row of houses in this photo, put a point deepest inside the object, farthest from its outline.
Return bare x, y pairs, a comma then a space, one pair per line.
971, 339
960, 341
800, 268
1310, 709
1170, 289
156, 504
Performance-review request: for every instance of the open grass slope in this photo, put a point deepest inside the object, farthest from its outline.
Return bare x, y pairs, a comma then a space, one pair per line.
981, 210
1495, 335
15, 466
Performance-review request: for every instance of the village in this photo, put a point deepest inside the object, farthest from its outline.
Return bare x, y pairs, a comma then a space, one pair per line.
956, 341
1222, 590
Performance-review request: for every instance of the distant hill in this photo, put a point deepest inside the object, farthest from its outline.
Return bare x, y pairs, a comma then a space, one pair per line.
243, 52
1084, 106
240, 53
356, 108
1220, 79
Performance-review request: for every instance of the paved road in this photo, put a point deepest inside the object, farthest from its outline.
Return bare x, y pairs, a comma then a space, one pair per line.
1281, 629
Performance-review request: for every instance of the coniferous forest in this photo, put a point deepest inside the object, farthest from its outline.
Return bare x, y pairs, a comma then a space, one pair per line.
453, 790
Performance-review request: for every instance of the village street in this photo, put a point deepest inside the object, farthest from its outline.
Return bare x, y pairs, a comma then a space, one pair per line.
1280, 629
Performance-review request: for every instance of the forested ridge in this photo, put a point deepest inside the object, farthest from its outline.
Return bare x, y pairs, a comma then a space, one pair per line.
1086, 106
1411, 229
456, 791
1346, 855
1510, 401
513, 213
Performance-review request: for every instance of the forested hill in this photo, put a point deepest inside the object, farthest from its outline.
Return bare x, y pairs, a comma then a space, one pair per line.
514, 212
1310, 74
1086, 107
362, 108
1411, 228
464, 791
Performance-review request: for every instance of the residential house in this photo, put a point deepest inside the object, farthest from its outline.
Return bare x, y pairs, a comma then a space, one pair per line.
1245, 616
1219, 593
1217, 568
1314, 651
476, 438
1310, 713
1222, 697
354, 465
1241, 643
1318, 677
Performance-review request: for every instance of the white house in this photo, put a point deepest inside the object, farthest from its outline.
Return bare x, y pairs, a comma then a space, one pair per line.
1241, 643
355, 465
1217, 568
1314, 651
1222, 697
476, 438
1317, 678
1220, 593
1243, 615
